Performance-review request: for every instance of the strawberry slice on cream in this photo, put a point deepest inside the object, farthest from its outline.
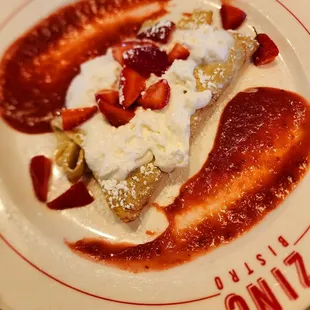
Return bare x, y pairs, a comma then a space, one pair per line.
178, 52
107, 95
130, 86
159, 32
119, 49
72, 118
115, 114
147, 60
156, 97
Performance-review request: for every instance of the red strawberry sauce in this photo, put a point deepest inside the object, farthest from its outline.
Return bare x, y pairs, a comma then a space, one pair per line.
38, 68
260, 153
259, 132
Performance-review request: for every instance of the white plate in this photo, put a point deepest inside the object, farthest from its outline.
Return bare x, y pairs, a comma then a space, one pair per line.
37, 271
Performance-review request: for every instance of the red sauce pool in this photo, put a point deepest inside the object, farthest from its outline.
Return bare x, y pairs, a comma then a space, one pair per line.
38, 68
260, 153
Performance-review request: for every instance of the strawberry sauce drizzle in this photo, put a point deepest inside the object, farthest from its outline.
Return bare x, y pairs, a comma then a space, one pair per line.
260, 153
38, 68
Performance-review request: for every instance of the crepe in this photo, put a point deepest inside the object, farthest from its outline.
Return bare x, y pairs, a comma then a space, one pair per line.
127, 198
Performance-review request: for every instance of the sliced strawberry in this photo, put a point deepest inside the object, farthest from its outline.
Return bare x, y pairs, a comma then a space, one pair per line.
160, 32
40, 171
156, 97
130, 87
147, 60
119, 49
115, 115
178, 52
74, 117
266, 52
109, 95
232, 17
76, 196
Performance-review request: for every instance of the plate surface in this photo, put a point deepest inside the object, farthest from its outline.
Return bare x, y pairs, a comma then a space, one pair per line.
39, 272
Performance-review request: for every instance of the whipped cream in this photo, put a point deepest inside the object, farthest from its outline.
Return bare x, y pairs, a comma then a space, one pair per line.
206, 43
159, 135
96, 74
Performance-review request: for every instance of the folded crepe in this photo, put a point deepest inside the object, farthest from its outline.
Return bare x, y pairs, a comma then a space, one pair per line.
127, 198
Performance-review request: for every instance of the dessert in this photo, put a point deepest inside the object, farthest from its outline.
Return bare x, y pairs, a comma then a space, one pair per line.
151, 97
130, 117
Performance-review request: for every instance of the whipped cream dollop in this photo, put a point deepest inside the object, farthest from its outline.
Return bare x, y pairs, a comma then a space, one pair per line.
206, 43
159, 135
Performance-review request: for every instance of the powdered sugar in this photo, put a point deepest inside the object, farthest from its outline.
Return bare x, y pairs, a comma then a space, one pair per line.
159, 32
118, 192
206, 44
203, 78
159, 28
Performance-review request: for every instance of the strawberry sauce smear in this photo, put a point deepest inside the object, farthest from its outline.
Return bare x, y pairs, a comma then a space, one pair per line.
38, 68
260, 153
